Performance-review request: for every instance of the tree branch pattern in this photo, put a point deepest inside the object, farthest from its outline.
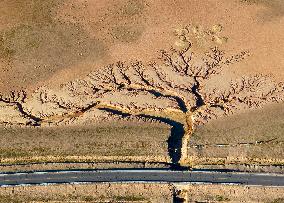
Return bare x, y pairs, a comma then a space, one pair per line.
179, 76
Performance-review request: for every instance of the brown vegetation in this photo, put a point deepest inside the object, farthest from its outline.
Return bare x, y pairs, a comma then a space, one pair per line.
90, 24
140, 192
272, 9
119, 141
253, 137
34, 44
100, 192
94, 163
229, 193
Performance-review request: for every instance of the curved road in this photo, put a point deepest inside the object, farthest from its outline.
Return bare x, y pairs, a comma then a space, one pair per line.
141, 175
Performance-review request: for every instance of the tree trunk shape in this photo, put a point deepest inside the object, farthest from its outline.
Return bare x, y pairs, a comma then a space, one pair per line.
188, 130
181, 76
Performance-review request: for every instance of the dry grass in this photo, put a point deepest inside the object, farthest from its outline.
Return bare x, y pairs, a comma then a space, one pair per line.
106, 141
127, 33
273, 8
124, 22
231, 193
104, 192
76, 166
34, 44
258, 125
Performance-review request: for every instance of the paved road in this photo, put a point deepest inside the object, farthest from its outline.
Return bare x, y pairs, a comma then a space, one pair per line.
141, 175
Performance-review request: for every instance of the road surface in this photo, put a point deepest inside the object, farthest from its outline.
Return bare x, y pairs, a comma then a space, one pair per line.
141, 175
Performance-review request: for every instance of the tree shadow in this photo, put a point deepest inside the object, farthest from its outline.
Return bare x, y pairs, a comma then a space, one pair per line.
174, 141
177, 198
175, 138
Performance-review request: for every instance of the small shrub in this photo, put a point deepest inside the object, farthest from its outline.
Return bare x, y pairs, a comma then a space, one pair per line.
221, 198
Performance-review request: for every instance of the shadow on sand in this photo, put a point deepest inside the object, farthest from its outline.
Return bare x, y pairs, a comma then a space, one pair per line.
175, 138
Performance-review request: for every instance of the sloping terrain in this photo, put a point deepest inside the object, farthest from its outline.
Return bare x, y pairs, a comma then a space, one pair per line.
253, 137
70, 63
56, 41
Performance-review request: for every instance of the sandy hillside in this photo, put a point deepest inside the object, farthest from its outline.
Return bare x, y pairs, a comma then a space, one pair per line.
178, 62
57, 41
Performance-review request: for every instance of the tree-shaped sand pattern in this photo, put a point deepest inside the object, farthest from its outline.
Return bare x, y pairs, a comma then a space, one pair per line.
179, 76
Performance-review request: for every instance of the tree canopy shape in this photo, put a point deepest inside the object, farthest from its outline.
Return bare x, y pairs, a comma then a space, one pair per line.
172, 90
